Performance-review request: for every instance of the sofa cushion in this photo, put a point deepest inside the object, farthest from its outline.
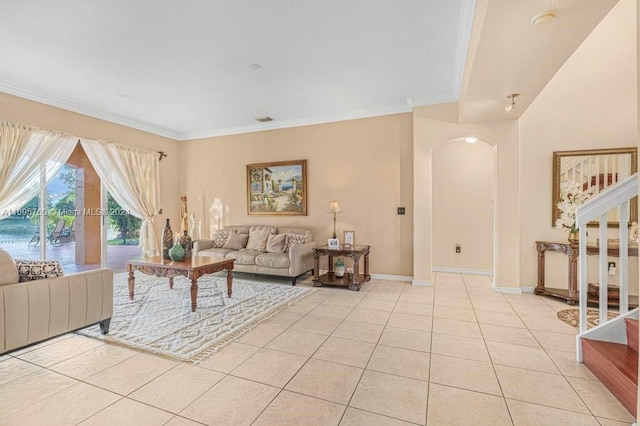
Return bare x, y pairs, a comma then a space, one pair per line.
258, 236
236, 241
218, 253
294, 239
8, 269
273, 260
277, 243
244, 257
30, 270
220, 237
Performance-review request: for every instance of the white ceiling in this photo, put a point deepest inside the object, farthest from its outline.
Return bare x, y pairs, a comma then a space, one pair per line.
183, 69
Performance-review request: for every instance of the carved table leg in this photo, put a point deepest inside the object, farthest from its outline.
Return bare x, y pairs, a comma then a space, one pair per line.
229, 282
540, 287
132, 283
316, 270
194, 294
171, 283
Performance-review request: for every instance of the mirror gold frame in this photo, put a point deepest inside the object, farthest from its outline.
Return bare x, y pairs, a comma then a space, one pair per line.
558, 156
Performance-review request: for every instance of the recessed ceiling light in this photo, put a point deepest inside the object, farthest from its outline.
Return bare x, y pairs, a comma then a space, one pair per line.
264, 119
470, 139
544, 18
124, 95
255, 66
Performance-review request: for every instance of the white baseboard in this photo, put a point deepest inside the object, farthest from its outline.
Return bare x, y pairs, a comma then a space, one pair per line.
421, 283
507, 290
390, 277
484, 272
527, 289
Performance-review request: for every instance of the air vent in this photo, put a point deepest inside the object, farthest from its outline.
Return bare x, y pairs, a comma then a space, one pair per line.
264, 119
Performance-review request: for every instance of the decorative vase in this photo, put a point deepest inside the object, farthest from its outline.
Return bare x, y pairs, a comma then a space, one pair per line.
176, 252
574, 236
167, 240
187, 244
338, 268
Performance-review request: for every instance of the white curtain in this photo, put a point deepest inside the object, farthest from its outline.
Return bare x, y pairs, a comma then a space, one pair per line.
132, 176
24, 153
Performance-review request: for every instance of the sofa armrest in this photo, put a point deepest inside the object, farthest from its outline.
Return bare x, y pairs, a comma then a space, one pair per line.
201, 245
301, 258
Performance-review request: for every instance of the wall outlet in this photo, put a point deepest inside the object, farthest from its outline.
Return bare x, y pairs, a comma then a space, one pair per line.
612, 268
458, 248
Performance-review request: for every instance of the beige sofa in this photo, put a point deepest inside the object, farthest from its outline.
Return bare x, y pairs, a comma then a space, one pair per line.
39, 309
295, 261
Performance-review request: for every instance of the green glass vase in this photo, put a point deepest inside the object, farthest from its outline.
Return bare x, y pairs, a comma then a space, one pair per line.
338, 268
176, 253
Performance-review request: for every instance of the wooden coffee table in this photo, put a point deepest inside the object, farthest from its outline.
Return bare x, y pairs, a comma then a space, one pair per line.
192, 268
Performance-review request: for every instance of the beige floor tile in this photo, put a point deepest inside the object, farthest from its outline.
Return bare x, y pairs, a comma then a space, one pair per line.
233, 401
60, 351
341, 299
404, 338
229, 357
524, 413
451, 292
391, 296
326, 380
452, 302
362, 332
479, 408
463, 314
181, 421
555, 341
410, 321
297, 342
345, 351
517, 336
609, 422
316, 324
14, 368
414, 308
69, 406
599, 400
525, 299
521, 356
464, 373
283, 319
261, 335
492, 306
30, 389
369, 316
499, 318
401, 362
398, 397
177, 388
545, 311
567, 364
377, 305
332, 311
40, 345
128, 412
539, 388
300, 308
129, 375
548, 324
294, 409
423, 297
457, 328
319, 296
461, 347
93, 361
355, 417
270, 367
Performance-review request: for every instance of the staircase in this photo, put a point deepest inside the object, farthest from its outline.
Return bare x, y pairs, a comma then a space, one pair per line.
616, 364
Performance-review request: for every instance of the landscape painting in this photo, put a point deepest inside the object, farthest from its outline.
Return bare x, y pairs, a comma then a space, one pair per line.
277, 188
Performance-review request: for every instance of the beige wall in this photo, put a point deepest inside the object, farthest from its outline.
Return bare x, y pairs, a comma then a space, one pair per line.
590, 103
463, 193
36, 114
364, 164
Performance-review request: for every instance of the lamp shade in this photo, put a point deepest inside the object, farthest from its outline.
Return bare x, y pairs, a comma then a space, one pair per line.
334, 207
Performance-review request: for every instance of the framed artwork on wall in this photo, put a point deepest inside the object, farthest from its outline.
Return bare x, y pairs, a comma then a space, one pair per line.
277, 188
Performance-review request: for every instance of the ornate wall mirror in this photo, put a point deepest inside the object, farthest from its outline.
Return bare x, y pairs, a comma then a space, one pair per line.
594, 170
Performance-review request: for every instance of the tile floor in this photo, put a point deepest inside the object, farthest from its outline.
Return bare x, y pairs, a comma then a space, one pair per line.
391, 354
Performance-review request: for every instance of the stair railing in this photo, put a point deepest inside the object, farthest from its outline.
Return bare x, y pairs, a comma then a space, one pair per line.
618, 196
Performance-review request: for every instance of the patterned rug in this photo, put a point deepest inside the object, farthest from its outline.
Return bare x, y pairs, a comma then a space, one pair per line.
572, 317
159, 320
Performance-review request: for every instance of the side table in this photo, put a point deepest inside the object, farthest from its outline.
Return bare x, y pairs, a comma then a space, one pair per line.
354, 253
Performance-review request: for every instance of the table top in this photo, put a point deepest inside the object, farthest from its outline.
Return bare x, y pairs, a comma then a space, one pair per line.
343, 250
193, 263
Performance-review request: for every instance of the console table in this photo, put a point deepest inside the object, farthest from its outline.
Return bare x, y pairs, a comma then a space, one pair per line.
571, 250
353, 252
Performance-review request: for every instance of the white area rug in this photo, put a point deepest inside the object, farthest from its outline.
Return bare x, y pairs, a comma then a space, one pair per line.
159, 320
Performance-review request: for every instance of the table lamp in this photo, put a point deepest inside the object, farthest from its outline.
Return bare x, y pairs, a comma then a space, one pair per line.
334, 208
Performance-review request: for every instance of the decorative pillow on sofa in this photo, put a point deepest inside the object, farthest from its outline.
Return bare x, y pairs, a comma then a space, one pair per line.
236, 241
220, 237
258, 236
30, 270
294, 239
8, 269
277, 243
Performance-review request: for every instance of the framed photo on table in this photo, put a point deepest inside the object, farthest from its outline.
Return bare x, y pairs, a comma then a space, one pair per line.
333, 243
349, 238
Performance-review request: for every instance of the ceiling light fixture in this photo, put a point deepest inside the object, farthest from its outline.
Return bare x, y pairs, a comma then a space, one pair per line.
264, 119
470, 139
513, 97
544, 18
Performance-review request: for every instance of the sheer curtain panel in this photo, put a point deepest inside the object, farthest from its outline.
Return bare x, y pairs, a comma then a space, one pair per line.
132, 176
24, 153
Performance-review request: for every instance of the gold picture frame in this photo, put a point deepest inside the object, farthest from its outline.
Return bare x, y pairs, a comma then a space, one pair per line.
278, 188
349, 238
